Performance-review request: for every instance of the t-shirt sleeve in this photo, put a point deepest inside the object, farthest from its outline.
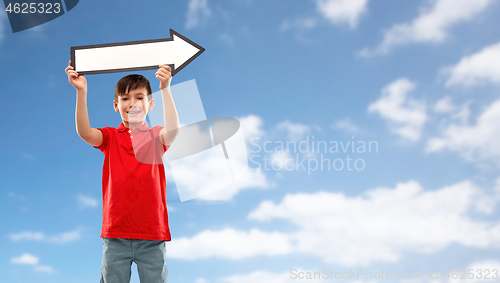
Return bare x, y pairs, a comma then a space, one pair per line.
105, 139
156, 132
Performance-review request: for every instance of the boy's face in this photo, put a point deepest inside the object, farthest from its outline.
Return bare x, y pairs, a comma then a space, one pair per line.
133, 107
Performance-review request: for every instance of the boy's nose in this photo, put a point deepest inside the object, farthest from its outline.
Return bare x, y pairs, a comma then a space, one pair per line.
134, 105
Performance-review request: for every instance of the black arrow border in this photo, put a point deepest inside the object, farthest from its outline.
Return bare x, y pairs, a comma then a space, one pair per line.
174, 70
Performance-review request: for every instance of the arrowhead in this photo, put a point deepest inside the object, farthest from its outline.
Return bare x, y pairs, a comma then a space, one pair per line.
185, 50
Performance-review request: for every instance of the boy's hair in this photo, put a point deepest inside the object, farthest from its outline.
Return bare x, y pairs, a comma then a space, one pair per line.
132, 82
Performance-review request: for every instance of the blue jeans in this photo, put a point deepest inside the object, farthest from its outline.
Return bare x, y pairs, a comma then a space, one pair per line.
118, 255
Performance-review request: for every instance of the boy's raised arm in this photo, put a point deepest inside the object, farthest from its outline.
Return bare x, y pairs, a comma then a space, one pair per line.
170, 116
90, 135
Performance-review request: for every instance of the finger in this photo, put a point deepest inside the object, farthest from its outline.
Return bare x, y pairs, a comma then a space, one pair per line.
166, 70
163, 74
165, 67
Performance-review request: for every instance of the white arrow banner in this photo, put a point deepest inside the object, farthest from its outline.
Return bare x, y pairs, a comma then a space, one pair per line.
176, 51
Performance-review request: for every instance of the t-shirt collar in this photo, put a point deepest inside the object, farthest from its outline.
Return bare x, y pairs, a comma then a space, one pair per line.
122, 128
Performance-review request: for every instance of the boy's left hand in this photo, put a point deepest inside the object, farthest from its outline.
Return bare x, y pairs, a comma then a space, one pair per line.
164, 74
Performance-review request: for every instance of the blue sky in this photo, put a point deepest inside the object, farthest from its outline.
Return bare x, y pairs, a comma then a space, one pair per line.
418, 78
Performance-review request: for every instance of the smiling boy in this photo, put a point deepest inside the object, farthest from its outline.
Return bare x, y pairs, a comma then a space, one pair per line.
135, 220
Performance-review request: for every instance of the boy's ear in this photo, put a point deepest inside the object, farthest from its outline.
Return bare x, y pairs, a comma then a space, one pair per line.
151, 104
115, 105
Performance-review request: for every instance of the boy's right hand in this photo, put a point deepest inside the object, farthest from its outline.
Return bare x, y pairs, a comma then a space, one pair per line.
78, 81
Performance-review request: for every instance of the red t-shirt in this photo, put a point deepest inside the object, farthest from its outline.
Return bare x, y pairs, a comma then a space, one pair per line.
133, 184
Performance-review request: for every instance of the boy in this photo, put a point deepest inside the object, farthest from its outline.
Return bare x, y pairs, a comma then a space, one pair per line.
135, 221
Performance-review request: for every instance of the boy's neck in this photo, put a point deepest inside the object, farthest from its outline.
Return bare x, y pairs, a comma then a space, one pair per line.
132, 126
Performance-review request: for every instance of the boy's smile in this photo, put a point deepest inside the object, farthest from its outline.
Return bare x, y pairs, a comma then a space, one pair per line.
133, 107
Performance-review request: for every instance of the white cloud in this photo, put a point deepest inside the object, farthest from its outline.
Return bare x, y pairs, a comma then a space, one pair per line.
474, 269
41, 237
205, 177
45, 269
477, 142
346, 125
25, 259
431, 26
253, 179
261, 276
198, 13
444, 105
28, 259
463, 114
342, 11
289, 276
377, 226
299, 24
476, 69
208, 183
87, 201
229, 243
251, 126
383, 223
28, 235
294, 131
405, 116
66, 237
337, 12
282, 160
